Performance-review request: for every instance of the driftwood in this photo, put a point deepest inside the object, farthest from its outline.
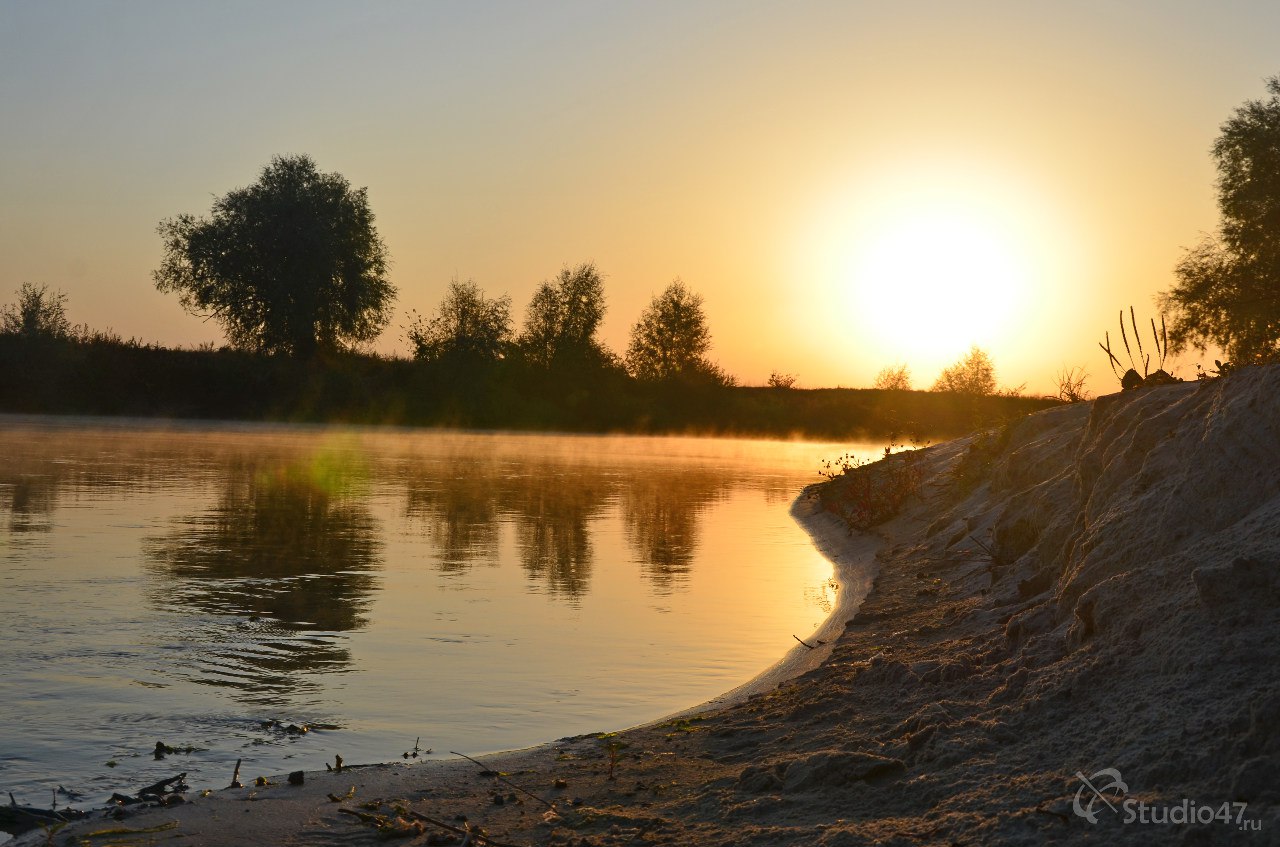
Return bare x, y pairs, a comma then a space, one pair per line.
470, 832
15, 819
162, 788
487, 772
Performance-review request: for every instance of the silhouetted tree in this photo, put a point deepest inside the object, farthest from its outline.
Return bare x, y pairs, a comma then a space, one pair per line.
974, 374
38, 313
563, 318
671, 339
469, 330
1228, 288
893, 378
289, 264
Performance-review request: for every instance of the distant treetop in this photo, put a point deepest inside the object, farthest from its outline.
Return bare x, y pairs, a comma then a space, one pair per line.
38, 313
974, 374
671, 339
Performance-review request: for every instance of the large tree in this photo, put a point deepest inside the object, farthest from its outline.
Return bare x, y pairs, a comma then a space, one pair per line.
1228, 288
671, 339
290, 264
563, 318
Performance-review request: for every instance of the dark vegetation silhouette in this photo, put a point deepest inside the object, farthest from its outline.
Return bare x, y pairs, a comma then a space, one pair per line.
293, 270
468, 332
1070, 382
1228, 287
37, 313
563, 320
974, 375
1129, 377
291, 264
893, 378
100, 373
671, 339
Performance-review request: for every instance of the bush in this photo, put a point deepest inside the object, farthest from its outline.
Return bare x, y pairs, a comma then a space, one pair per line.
38, 313
974, 374
893, 378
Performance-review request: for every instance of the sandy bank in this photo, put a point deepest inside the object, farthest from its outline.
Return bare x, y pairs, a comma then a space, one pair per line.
1095, 587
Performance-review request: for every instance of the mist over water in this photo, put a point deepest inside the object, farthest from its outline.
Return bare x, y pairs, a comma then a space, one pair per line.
207, 586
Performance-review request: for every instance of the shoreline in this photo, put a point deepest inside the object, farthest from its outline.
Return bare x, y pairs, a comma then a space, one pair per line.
1093, 587
852, 560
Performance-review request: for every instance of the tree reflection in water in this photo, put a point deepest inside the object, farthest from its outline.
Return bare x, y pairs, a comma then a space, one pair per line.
284, 563
464, 498
662, 510
28, 498
553, 505
459, 504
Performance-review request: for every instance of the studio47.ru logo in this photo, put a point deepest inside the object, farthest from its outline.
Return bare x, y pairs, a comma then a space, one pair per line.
1106, 790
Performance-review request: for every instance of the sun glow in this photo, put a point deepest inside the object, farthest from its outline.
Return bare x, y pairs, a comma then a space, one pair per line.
917, 262
939, 279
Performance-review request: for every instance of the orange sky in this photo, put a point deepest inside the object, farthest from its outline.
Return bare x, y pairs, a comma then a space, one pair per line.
848, 185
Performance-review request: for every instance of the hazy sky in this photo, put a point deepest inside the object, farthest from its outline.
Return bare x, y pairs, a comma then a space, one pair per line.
848, 184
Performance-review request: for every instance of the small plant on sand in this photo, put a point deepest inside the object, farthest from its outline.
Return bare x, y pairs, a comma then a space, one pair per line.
976, 462
613, 746
1220, 368
863, 493
1130, 378
1071, 385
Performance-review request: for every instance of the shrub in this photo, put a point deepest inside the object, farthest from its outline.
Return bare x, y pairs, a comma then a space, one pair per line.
974, 374
864, 494
1071, 385
38, 313
893, 378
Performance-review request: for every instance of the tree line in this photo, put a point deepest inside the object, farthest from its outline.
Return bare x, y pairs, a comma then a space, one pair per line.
471, 332
292, 266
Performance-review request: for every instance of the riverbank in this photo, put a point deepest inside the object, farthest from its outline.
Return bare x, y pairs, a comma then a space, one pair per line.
1093, 590
108, 377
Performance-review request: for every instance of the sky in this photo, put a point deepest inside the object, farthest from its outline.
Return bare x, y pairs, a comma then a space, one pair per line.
849, 185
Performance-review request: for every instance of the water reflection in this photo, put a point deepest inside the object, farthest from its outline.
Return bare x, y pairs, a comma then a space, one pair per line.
553, 507
463, 501
285, 561
662, 510
309, 582
457, 501
28, 500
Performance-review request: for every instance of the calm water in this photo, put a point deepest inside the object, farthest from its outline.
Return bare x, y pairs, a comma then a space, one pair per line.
481, 592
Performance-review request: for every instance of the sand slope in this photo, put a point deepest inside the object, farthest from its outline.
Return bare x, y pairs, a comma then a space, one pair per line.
1121, 611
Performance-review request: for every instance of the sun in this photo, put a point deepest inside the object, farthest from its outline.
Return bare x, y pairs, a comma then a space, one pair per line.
934, 281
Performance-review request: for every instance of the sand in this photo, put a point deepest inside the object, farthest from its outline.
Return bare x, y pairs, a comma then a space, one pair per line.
1093, 590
